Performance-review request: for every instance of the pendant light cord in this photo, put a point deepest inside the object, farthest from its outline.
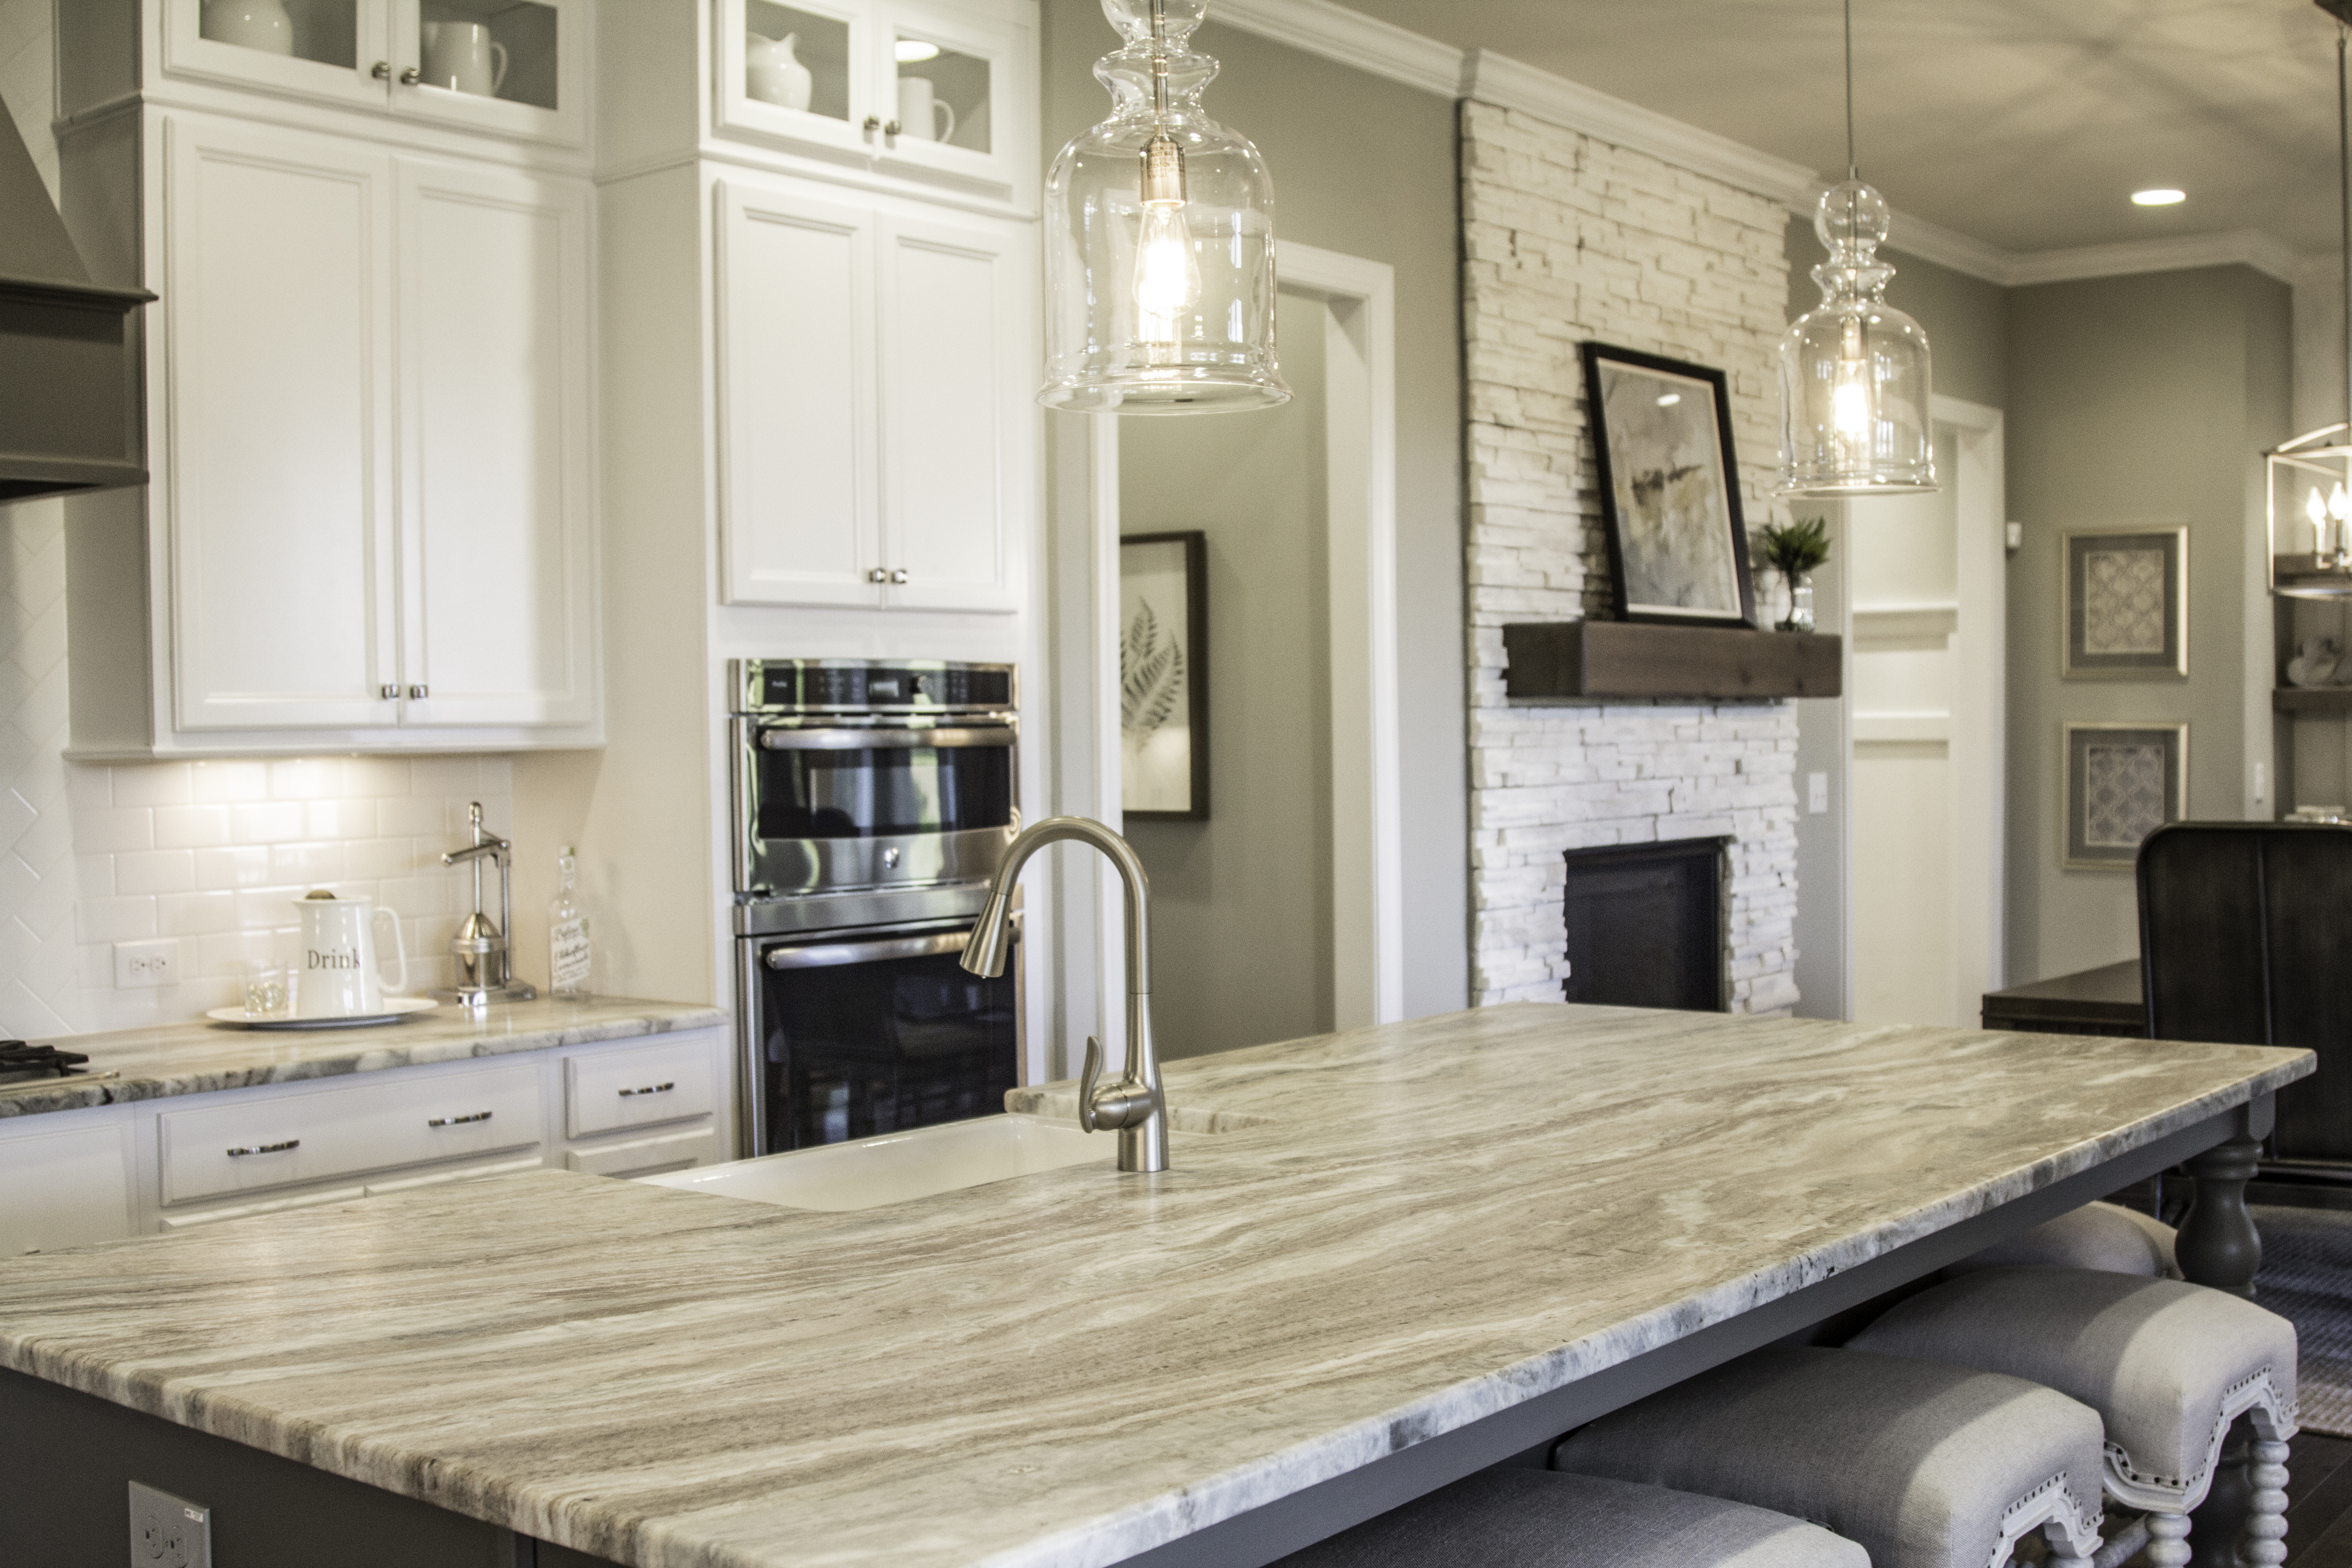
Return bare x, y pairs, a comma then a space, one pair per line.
1852, 172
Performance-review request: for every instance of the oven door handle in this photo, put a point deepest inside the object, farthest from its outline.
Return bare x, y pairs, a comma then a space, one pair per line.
882, 740
825, 955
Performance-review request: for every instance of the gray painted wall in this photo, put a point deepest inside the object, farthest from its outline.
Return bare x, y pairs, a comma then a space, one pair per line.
1364, 166
1241, 904
2138, 401
1966, 324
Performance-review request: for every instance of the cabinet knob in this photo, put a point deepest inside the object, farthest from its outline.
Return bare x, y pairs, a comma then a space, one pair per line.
877, 575
890, 128
873, 123
411, 77
416, 693
900, 575
383, 71
390, 693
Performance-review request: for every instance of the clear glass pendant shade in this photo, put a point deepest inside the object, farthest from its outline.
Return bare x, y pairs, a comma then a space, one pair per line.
2311, 515
1854, 382
1159, 240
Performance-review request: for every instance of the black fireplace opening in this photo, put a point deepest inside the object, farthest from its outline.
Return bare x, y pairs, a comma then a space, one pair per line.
1645, 925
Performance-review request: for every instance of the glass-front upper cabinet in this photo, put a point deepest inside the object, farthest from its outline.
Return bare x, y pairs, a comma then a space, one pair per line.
513, 67
933, 92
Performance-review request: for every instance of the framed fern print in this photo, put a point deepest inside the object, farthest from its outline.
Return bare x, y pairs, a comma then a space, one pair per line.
1163, 676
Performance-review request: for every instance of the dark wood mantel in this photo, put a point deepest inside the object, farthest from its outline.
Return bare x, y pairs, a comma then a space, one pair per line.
1587, 661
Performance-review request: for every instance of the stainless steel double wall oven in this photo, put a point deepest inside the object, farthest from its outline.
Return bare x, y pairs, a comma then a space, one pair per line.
872, 802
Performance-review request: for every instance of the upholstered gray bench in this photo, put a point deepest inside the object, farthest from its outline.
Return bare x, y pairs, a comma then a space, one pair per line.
2105, 1237
1533, 1519
2168, 1366
1924, 1465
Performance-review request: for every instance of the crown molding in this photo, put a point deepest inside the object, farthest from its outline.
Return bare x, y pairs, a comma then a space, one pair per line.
1381, 48
1376, 47
1506, 83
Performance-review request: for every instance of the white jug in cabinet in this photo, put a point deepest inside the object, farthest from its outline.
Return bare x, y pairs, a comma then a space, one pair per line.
335, 973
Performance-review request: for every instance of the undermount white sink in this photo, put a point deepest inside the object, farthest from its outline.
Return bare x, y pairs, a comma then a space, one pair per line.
900, 1166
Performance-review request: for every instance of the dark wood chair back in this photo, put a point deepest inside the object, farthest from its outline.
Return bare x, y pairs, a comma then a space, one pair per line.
2245, 937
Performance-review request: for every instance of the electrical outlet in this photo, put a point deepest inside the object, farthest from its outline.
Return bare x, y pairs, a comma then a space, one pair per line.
168, 1531
1817, 794
143, 964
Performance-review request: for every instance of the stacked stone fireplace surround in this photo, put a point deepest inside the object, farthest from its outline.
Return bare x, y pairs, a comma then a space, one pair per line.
1566, 238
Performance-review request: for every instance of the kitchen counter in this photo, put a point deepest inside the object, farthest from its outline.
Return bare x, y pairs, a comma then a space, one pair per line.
1407, 1230
201, 1056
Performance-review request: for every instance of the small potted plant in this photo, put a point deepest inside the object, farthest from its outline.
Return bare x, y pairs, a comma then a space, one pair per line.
1795, 549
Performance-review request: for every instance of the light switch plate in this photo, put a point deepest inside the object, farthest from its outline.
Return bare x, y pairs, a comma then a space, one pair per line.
168, 1531
1817, 794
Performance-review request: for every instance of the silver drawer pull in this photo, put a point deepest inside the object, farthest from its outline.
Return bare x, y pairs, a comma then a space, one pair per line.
456, 1121
265, 1148
649, 1088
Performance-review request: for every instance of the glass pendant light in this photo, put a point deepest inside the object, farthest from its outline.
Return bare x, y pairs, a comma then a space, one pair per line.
1159, 240
2311, 476
1853, 370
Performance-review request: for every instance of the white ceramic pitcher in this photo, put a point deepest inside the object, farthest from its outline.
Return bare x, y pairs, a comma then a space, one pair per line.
773, 73
463, 57
335, 972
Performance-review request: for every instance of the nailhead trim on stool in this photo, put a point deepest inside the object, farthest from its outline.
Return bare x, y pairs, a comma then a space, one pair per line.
2167, 1365
1926, 1466
2105, 1237
1533, 1519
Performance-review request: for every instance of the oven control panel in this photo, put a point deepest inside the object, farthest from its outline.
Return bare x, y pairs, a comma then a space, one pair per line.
765, 686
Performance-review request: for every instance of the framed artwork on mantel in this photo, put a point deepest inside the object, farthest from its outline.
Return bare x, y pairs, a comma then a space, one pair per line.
1163, 676
1669, 489
2126, 604
2122, 782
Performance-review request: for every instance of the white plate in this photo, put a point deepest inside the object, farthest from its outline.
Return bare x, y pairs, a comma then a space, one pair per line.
395, 1009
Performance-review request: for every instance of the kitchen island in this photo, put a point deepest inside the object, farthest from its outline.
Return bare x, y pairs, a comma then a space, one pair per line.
1413, 1250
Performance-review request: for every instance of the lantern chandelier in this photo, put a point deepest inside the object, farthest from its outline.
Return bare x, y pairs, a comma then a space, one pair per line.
1854, 393
1159, 240
2311, 476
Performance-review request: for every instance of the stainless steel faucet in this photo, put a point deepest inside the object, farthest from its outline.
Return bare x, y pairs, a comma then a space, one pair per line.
1134, 1104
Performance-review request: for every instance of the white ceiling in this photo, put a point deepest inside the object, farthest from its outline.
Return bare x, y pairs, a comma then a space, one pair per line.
2024, 123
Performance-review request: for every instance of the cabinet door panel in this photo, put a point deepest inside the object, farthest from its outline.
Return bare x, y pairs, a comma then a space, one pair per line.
279, 373
66, 1179
796, 411
524, 74
328, 49
952, 384
495, 537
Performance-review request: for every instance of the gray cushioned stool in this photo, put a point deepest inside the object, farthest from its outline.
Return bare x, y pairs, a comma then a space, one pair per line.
2105, 1237
1531, 1519
1926, 1466
2168, 1366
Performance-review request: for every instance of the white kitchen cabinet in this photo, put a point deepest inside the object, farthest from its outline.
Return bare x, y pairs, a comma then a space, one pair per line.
73, 1177
873, 400
527, 79
372, 521
64, 1179
973, 61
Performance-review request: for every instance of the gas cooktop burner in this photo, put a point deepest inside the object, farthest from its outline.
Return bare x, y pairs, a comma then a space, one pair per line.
28, 1066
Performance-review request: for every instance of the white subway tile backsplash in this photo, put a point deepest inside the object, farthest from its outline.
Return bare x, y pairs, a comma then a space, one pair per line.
313, 864
193, 914
143, 787
226, 871
190, 826
155, 871
229, 781
304, 780
343, 820
416, 815
273, 822
112, 832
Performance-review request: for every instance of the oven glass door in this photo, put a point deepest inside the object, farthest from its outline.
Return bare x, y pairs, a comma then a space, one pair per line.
861, 1037
827, 809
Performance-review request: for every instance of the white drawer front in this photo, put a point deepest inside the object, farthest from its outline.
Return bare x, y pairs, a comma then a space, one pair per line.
64, 1180
285, 1140
669, 1082
653, 1156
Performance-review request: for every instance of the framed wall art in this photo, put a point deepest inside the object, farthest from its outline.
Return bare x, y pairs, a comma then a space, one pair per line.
2126, 604
1163, 676
2122, 782
1669, 489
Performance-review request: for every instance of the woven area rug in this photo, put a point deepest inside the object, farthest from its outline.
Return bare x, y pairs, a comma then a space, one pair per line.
2306, 1279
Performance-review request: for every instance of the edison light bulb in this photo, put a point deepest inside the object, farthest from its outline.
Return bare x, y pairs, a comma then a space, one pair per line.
1166, 277
1850, 393
2339, 506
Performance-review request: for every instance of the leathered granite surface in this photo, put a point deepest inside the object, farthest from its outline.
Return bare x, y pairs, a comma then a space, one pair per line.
1433, 1221
201, 1056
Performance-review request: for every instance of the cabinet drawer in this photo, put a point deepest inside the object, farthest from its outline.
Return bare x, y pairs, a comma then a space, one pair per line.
636, 1088
290, 1139
635, 1157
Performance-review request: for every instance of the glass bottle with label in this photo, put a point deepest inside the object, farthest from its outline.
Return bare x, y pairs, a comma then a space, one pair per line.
567, 932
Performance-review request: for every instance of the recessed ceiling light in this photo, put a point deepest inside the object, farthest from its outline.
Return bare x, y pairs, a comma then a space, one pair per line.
1669, 399
2159, 197
913, 51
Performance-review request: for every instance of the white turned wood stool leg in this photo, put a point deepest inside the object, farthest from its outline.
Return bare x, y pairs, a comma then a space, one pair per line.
2265, 1540
2168, 1541
2062, 1549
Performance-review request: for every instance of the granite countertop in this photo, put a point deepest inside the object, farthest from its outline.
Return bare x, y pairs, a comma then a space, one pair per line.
199, 1057
1407, 1228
